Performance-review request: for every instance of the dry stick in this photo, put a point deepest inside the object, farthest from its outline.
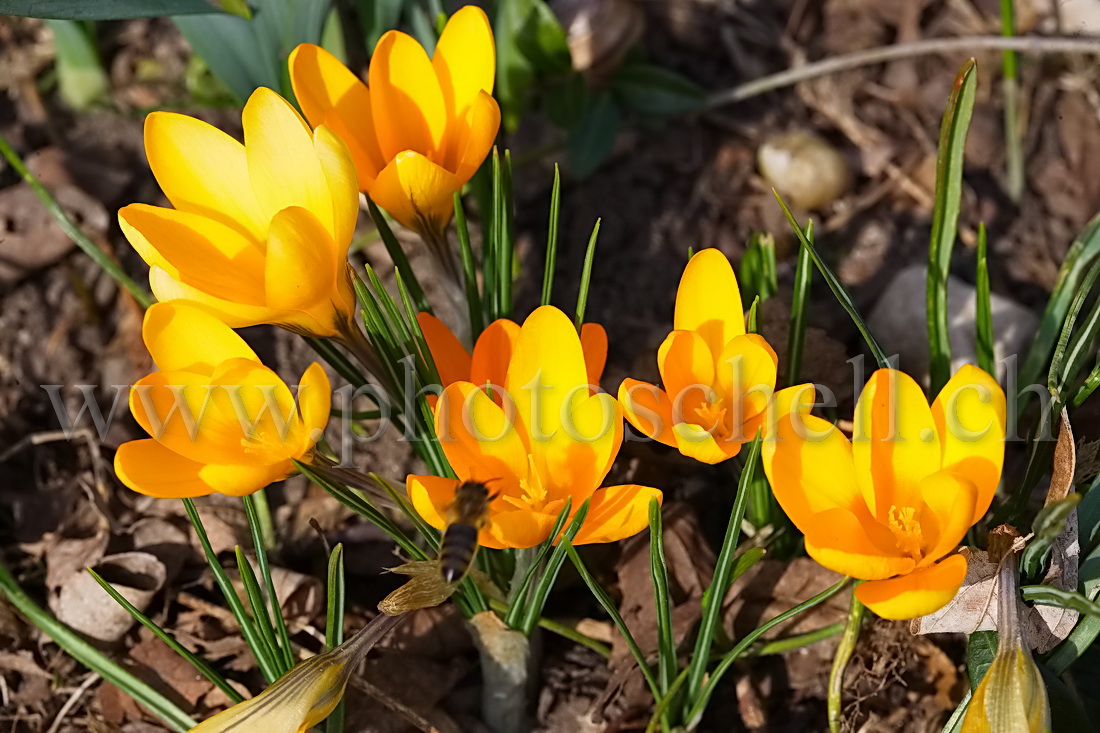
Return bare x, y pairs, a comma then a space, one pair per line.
71, 702
931, 46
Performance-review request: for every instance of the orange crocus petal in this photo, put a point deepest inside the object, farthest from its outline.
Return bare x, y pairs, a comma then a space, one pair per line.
475, 134
343, 186
416, 191
594, 346
314, 402
183, 151
249, 394
708, 300
687, 370
479, 437
492, 353
949, 497
149, 468
242, 479
648, 409
809, 465
184, 338
282, 162
233, 314
430, 497
854, 545
178, 410
746, 372
300, 268
452, 361
970, 420
517, 529
919, 593
786, 403
617, 512
407, 103
333, 96
208, 255
694, 441
576, 460
465, 59
894, 441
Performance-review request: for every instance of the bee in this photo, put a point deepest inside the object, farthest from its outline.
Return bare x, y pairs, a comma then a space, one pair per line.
433, 581
466, 515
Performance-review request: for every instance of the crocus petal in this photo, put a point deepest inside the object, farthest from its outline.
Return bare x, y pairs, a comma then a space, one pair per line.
970, 421
854, 545
149, 468
616, 512
343, 187
809, 465
406, 101
517, 529
332, 96
232, 314
919, 593
416, 192
430, 497
695, 441
314, 402
206, 254
479, 438
243, 479
746, 372
180, 336
708, 300
492, 353
578, 457
474, 136
950, 498
300, 268
894, 441
282, 161
789, 402
465, 59
452, 361
687, 370
183, 152
594, 346
648, 409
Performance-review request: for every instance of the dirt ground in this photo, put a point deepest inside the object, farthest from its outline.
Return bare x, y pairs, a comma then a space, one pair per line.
691, 183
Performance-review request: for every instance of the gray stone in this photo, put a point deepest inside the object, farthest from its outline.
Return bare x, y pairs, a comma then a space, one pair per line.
898, 323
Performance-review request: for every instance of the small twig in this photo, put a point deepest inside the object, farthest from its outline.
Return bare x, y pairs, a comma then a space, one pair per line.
927, 47
71, 702
393, 705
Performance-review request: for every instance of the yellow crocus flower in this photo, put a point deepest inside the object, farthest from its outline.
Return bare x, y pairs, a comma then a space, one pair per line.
718, 380
892, 505
550, 440
260, 231
220, 420
421, 127
307, 694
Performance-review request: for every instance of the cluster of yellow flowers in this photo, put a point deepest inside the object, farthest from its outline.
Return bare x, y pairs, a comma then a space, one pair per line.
259, 233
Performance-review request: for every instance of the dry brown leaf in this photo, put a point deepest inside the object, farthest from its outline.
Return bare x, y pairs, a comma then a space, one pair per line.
175, 672
84, 605
1065, 462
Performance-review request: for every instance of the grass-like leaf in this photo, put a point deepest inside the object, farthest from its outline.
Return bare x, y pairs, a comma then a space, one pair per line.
839, 291
193, 659
75, 646
400, 259
800, 301
255, 526
945, 219
249, 631
658, 569
586, 276
723, 576
334, 623
469, 271
552, 239
532, 610
269, 645
984, 317
516, 616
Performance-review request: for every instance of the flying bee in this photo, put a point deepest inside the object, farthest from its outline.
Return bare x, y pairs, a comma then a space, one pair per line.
466, 515
433, 581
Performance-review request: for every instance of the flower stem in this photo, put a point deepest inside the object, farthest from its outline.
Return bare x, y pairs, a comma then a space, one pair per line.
840, 662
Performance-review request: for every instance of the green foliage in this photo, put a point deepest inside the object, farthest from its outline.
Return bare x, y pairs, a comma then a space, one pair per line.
552, 239
981, 648
1049, 524
119, 9
334, 623
757, 274
658, 569
81, 80
592, 135
246, 53
586, 276
75, 646
655, 92
800, 300
945, 218
984, 315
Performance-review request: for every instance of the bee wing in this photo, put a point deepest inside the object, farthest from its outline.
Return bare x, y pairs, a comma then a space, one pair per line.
426, 588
